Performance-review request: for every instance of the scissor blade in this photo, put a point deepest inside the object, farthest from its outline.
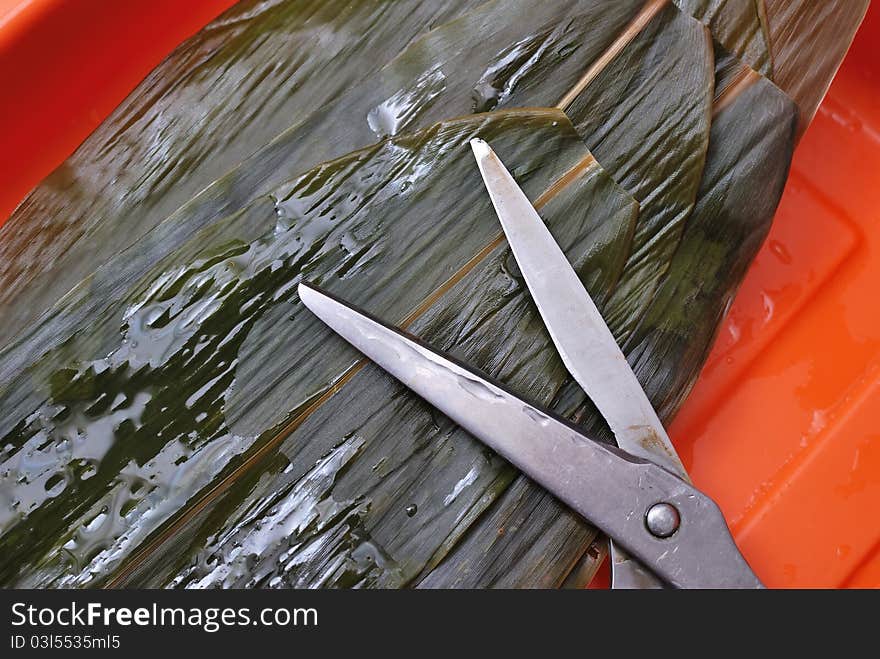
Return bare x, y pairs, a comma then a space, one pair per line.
582, 338
610, 488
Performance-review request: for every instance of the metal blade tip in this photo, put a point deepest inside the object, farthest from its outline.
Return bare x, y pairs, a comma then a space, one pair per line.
480, 148
308, 294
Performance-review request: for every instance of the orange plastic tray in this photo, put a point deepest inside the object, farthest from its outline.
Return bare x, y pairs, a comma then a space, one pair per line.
783, 427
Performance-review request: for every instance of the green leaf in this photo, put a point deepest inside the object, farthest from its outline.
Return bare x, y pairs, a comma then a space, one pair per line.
332, 100
189, 366
809, 40
217, 98
799, 44
645, 116
739, 25
374, 486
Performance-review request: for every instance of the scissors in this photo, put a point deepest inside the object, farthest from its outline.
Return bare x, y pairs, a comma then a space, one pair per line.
664, 532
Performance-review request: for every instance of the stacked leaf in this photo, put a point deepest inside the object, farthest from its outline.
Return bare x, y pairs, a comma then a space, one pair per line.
740, 25
242, 80
207, 430
104, 295
799, 44
335, 97
750, 144
808, 40
646, 117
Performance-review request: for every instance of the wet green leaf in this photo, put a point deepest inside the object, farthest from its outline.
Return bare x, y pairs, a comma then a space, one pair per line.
799, 44
331, 507
190, 365
739, 25
221, 95
505, 52
645, 116
808, 40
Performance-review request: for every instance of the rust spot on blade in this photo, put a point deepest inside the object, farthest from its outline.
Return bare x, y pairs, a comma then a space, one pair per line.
648, 438
651, 441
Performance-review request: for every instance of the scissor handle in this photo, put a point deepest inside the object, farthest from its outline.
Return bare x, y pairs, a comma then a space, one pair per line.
667, 524
680, 533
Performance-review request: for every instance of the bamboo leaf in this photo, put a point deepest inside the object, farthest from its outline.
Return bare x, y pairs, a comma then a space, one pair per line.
799, 44
333, 100
398, 482
739, 25
645, 116
809, 40
210, 104
112, 432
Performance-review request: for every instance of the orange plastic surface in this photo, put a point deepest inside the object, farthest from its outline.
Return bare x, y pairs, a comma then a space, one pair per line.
783, 427
64, 66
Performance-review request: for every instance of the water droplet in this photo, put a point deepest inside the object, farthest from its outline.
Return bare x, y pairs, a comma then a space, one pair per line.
769, 306
779, 250
411, 510
400, 109
55, 484
478, 390
485, 97
536, 416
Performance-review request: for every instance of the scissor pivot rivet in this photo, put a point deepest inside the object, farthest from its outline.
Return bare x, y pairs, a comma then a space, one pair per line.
662, 520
